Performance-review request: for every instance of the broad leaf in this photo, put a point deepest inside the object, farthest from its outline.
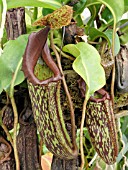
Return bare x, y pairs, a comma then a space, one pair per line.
95, 33
117, 10
36, 3
46, 11
85, 133
9, 60
106, 15
109, 33
123, 30
72, 49
94, 9
79, 20
124, 125
126, 5
116, 7
87, 65
79, 7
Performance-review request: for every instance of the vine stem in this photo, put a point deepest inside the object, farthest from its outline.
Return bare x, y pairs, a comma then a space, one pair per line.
15, 115
81, 133
67, 93
7, 133
15, 132
4, 127
113, 70
63, 54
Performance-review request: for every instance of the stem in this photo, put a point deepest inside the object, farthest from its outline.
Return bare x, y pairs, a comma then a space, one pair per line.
103, 48
63, 54
15, 133
81, 133
14, 78
7, 133
4, 127
67, 93
113, 70
15, 115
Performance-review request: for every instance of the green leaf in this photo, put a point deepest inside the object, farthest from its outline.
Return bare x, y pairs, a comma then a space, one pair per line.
117, 10
44, 149
116, 7
57, 41
79, 7
124, 39
1, 9
86, 133
79, 20
47, 11
88, 66
9, 60
124, 125
72, 49
123, 30
107, 15
36, 3
94, 9
109, 33
95, 33
126, 5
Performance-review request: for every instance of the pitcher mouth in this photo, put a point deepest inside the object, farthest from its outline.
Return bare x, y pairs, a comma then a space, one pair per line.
36, 46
